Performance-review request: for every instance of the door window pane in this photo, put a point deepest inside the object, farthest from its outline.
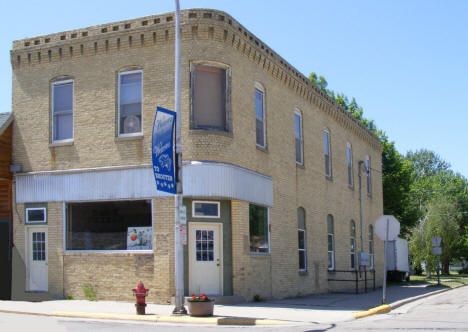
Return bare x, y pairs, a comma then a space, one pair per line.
38, 246
204, 245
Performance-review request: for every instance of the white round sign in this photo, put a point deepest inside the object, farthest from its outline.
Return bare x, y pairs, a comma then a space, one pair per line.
381, 227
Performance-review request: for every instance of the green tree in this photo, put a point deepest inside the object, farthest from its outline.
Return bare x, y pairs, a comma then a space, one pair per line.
396, 170
441, 219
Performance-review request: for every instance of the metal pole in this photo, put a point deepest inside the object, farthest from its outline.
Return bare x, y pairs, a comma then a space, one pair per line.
360, 162
384, 289
179, 249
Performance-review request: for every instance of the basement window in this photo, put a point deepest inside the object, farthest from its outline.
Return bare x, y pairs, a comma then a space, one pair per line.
117, 225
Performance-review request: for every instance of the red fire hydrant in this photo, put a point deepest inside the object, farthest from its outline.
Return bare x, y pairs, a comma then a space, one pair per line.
141, 293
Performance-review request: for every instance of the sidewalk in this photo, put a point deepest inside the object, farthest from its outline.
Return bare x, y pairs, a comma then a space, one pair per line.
321, 308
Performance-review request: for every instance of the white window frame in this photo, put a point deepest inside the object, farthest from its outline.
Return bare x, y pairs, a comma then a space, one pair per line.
121, 73
332, 267
261, 89
349, 163
370, 235
268, 232
218, 215
368, 176
352, 237
54, 84
327, 147
227, 92
301, 133
36, 222
303, 230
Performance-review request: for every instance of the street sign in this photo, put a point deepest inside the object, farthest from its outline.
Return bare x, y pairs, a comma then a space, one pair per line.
363, 259
162, 150
381, 228
183, 215
183, 234
436, 240
437, 251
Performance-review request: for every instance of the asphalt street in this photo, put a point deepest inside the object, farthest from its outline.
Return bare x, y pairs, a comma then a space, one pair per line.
444, 312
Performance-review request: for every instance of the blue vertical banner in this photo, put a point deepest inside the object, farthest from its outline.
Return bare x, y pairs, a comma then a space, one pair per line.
162, 150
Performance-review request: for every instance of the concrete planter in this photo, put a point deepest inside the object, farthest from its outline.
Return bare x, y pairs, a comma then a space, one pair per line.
201, 308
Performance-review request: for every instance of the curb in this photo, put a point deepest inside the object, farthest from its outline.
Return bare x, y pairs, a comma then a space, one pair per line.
388, 307
381, 309
412, 299
172, 319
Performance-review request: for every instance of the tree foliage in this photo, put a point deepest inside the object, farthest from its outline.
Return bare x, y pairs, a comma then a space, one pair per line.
441, 219
419, 189
396, 171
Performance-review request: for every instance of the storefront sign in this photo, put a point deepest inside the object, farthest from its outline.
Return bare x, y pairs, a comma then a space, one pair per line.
162, 148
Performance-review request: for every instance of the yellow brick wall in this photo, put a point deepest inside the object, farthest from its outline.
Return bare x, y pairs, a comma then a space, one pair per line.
95, 144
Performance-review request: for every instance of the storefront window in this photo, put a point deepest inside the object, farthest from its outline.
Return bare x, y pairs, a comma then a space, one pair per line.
118, 225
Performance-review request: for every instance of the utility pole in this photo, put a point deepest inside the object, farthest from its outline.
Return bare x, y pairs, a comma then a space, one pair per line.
179, 249
360, 163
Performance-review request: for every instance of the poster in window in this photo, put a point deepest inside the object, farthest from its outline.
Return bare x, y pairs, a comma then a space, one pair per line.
139, 238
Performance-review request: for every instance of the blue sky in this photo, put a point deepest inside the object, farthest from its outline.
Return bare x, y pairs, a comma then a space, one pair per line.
406, 62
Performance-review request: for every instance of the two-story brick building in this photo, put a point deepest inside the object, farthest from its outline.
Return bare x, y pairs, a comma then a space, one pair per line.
271, 166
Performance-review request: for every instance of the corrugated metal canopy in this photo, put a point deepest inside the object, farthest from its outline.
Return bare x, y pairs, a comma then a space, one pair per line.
201, 179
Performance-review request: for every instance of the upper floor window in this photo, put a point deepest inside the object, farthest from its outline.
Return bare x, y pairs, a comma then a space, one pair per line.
62, 109
349, 162
368, 176
331, 242
260, 115
210, 97
371, 246
301, 234
298, 137
352, 243
130, 98
326, 149
258, 229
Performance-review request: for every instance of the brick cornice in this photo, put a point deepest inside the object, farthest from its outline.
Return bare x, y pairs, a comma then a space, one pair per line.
202, 24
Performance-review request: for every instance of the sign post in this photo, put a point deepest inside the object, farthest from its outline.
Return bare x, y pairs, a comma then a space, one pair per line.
437, 251
168, 168
387, 228
179, 247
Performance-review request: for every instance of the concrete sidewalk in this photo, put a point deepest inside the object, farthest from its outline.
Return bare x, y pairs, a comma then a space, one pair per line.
322, 308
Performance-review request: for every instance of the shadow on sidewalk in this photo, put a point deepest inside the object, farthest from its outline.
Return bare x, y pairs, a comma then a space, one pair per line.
346, 301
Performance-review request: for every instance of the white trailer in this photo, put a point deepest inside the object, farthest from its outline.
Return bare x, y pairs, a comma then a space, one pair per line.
397, 259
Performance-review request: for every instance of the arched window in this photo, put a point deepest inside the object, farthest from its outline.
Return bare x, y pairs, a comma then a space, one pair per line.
62, 109
130, 91
349, 162
331, 242
327, 153
368, 176
260, 123
301, 234
352, 243
298, 137
371, 246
